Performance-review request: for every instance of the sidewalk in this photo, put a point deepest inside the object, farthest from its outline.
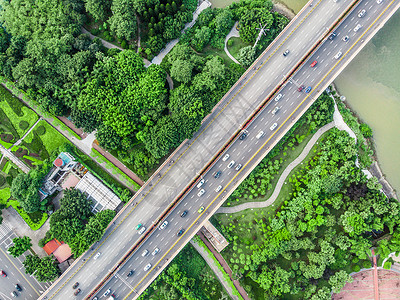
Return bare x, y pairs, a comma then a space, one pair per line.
233, 33
225, 265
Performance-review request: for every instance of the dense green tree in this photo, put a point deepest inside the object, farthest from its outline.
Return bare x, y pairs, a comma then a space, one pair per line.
251, 19
20, 246
123, 20
76, 204
98, 9
44, 269
246, 56
24, 189
201, 38
181, 70
339, 280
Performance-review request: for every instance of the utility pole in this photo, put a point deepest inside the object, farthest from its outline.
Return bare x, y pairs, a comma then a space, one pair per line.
262, 31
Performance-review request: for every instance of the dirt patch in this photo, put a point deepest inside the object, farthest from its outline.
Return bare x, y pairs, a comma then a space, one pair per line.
21, 152
284, 10
7, 137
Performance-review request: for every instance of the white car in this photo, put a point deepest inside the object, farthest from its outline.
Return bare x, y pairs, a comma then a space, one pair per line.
361, 13
345, 38
338, 55
225, 157
238, 167
260, 135
145, 252
143, 229
155, 251
218, 188
201, 182
163, 225
273, 126
97, 255
201, 192
277, 98
147, 267
107, 292
379, 1
357, 27
231, 164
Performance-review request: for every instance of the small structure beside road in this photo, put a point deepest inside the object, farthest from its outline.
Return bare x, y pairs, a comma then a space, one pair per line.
69, 173
60, 250
216, 239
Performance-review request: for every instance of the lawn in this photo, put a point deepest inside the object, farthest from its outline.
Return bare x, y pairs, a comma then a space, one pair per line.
39, 144
234, 45
213, 51
15, 116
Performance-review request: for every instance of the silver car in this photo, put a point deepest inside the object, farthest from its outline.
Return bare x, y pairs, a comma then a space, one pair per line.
218, 188
155, 251
225, 157
231, 164
273, 126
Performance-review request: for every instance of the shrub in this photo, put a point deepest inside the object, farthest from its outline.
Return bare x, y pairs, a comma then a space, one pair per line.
367, 264
24, 125
2, 180
41, 130
356, 268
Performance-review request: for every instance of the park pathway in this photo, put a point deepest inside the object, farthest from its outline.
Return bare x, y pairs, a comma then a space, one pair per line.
233, 33
225, 265
7, 153
30, 129
281, 181
104, 42
209, 260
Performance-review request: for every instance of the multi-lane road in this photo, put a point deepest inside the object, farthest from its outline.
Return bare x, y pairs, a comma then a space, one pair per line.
311, 25
31, 288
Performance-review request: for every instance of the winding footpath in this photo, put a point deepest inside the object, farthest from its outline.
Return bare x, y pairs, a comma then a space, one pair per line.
233, 33
338, 122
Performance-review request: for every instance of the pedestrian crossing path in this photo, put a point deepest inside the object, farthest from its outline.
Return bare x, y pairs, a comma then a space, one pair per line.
5, 230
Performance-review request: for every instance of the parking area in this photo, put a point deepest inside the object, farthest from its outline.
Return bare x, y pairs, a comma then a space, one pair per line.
15, 271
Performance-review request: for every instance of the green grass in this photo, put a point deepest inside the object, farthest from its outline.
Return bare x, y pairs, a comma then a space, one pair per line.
5, 194
287, 156
236, 45
221, 53
16, 111
29, 219
116, 171
57, 123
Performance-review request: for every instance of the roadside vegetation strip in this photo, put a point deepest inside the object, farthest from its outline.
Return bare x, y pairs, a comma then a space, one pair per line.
219, 266
285, 174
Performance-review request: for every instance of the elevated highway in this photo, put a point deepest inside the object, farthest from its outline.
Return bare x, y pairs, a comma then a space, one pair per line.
247, 107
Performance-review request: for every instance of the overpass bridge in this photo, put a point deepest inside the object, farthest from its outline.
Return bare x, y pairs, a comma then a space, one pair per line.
246, 108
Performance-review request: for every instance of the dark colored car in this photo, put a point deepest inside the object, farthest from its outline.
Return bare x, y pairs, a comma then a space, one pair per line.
218, 174
184, 213
180, 232
18, 287
131, 272
332, 36
76, 284
77, 292
301, 88
243, 136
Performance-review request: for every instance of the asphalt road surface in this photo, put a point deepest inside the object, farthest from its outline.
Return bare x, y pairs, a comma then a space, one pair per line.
226, 119
31, 288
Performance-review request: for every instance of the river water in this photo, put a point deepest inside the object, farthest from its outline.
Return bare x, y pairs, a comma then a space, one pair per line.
371, 84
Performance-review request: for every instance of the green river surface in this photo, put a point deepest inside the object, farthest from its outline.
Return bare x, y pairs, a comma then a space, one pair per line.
371, 84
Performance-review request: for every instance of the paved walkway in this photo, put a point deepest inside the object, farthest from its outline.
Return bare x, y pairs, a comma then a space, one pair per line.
225, 265
104, 42
209, 260
30, 129
233, 33
281, 181
168, 47
7, 153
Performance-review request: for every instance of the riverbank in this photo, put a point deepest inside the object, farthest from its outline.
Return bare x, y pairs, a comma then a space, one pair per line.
374, 168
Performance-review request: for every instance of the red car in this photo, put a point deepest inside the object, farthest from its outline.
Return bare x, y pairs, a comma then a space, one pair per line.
3, 273
313, 64
301, 88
